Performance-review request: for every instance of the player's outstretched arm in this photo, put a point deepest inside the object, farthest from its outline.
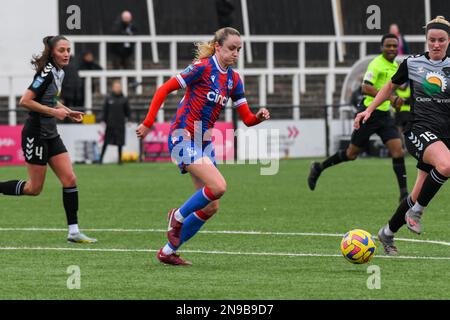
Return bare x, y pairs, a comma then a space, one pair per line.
157, 101
27, 101
251, 119
381, 96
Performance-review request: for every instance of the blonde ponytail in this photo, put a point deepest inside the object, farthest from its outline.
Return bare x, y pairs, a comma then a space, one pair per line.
204, 49
207, 49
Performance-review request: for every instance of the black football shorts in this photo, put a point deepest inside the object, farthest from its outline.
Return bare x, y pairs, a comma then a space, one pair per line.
37, 150
417, 140
402, 118
381, 123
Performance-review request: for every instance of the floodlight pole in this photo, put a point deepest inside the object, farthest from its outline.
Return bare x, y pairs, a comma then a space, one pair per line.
151, 21
245, 20
337, 21
427, 5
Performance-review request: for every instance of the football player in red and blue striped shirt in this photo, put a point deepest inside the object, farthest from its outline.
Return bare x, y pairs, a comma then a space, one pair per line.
210, 82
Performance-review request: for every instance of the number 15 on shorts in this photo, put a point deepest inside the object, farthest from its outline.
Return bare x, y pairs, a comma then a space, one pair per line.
428, 136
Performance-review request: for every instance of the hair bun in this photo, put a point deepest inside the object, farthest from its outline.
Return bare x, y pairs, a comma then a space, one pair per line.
438, 23
46, 40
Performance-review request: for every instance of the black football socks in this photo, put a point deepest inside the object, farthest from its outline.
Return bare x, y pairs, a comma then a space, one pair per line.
398, 165
433, 182
338, 157
70, 201
12, 187
398, 219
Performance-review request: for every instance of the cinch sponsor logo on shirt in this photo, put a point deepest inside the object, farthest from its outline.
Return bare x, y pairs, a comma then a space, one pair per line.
217, 98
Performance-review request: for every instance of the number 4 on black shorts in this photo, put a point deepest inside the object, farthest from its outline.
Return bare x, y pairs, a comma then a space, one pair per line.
418, 140
34, 150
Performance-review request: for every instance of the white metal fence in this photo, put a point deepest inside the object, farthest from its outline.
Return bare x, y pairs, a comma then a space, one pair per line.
266, 74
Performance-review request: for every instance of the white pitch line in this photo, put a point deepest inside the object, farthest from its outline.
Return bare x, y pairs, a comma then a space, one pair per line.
306, 234
278, 254
424, 241
164, 230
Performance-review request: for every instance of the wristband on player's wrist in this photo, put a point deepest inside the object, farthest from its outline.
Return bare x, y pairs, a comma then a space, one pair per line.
395, 101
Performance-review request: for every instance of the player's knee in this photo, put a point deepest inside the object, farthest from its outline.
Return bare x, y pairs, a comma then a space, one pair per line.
351, 153
33, 190
351, 156
397, 153
444, 168
69, 180
219, 189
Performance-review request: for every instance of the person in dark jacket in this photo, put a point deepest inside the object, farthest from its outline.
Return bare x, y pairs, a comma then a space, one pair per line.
88, 63
123, 51
116, 112
224, 9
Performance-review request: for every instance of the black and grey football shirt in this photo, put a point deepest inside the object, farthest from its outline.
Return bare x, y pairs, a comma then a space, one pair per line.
430, 92
47, 88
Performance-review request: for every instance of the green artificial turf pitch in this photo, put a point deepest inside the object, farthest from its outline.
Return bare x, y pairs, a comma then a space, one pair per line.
272, 238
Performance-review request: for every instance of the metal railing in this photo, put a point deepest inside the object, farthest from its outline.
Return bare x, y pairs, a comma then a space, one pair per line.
319, 112
266, 75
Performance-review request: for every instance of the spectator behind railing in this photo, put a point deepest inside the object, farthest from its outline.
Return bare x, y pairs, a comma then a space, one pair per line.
224, 10
122, 52
403, 47
88, 63
116, 112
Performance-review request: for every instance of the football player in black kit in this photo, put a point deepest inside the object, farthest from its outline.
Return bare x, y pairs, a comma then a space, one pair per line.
41, 143
427, 135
